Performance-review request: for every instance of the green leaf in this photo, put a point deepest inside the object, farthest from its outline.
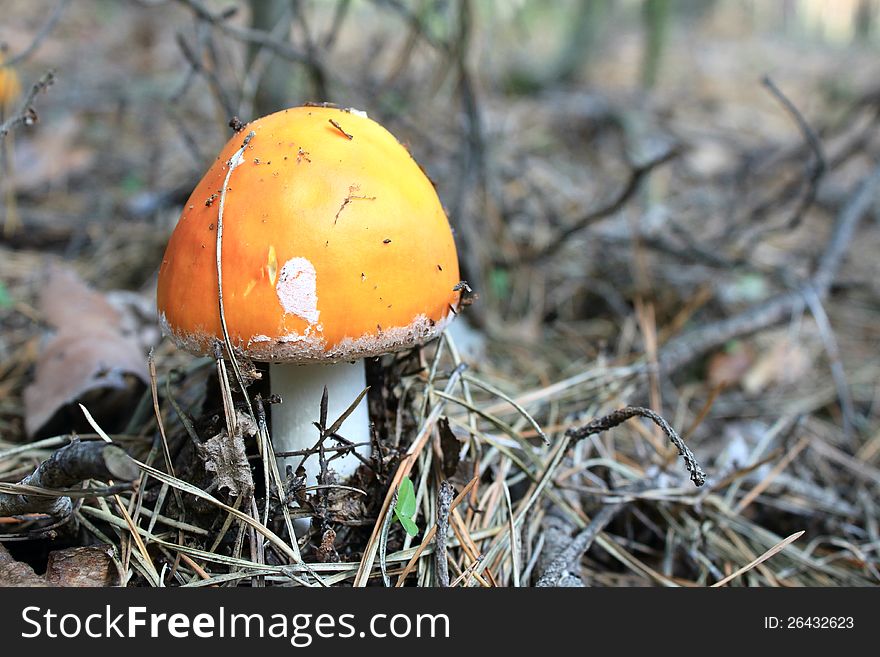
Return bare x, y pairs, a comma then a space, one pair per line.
411, 528
5, 297
132, 184
406, 498
405, 508
499, 281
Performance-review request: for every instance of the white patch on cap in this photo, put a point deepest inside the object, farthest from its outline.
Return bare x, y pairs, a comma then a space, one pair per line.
297, 289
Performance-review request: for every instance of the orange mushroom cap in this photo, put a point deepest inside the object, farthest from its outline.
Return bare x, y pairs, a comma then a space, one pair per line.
334, 245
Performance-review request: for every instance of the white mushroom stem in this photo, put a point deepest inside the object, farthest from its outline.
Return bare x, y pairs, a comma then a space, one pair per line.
300, 388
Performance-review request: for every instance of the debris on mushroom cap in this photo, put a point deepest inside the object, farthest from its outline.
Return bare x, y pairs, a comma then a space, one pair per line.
342, 255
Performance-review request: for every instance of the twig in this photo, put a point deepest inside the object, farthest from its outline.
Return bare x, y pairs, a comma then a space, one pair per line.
403, 469
208, 73
233, 162
44, 32
637, 174
347, 135
691, 345
847, 222
27, 115
622, 415
838, 374
346, 447
249, 35
429, 535
441, 565
562, 567
815, 145
339, 16
69, 466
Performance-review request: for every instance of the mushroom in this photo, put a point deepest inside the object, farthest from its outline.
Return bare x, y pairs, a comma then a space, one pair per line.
334, 248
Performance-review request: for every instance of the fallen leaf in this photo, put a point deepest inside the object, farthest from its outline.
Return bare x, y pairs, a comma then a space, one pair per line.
226, 458
342, 504
326, 552
450, 446
785, 362
729, 366
88, 361
67, 302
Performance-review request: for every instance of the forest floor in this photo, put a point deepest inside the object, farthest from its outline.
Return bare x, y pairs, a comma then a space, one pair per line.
706, 249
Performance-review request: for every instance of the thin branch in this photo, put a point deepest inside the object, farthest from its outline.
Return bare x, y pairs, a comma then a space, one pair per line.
258, 37
441, 563
562, 567
622, 415
689, 346
27, 116
838, 374
44, 32
819, 165
637, 174
68, 467
208, 72
233, 162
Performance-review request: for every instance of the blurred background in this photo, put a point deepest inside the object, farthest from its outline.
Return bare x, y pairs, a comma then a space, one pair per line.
678, 196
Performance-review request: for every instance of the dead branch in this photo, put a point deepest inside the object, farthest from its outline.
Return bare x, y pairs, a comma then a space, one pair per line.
563, 569
208, 73
689, 346
38, 39
637, 174
249, 35
620, 416
27, 115
68, 467
819, 165
556, 532
444, 500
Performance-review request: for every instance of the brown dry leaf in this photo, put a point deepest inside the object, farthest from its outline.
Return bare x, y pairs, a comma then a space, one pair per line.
90, 566
227, 459
450, 445
785, 362
87, 361
67, 302
344, 504
326, 552
728, 367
